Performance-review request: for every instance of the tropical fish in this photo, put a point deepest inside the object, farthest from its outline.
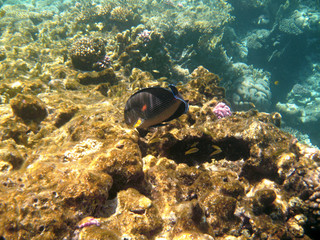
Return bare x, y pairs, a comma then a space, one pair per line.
150, 107
252, 104
194, 144
216, 151
191, 151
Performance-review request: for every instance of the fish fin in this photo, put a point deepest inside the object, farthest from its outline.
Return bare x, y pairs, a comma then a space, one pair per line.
176, 95
173, 89
180, 110
159, 125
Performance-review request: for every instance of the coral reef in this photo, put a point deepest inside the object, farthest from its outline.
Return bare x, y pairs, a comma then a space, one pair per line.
70, 168
301, 108
80, 171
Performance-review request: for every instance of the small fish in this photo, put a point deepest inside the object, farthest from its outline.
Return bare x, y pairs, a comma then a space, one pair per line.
150, 107
216, 151
155, 71
191, 151
276, 83
154, 140
252, 104
194, 144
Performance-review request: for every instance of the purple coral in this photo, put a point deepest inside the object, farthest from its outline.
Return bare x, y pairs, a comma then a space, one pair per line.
145, 35
222, 110
103, 63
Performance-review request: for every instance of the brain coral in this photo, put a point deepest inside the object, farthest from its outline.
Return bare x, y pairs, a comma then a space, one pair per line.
251, 87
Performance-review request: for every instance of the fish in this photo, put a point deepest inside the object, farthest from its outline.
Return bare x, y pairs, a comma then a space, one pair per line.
216, 151
154, 140
191, 151
194, 144
150, 107
252, 104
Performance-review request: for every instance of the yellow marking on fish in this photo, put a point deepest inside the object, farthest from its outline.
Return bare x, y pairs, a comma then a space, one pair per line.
194, 144
191, 151
138, 123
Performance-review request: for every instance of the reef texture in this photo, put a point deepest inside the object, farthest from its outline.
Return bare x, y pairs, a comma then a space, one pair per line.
301, 109
71, 169
80, 173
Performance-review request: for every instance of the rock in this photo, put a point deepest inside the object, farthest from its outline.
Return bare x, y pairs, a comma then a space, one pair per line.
11, 155
265, 197
98, 233
125, 166
104, 76
29, 108
64, 115
137, 214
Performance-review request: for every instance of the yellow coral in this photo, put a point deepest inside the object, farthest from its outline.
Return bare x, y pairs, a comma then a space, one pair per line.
121, 14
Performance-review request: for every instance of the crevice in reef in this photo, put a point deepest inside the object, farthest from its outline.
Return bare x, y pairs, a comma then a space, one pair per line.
196, 150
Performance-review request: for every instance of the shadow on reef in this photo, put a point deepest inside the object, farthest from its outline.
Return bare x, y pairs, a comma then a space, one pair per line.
196, 150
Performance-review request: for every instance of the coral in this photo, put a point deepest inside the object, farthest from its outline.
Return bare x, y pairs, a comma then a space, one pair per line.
145, 35
82, 172
89, 54
2, 54
137, 214
251, 88
121, 14
151, 55
71, 169
289, 26
300, 109
104, 76
221, 110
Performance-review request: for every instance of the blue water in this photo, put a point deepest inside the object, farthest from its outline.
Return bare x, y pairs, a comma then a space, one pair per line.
266, 52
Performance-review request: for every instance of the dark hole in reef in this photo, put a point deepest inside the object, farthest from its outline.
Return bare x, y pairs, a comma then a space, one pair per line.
311, 231
193, 150
233, 149
41, 229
